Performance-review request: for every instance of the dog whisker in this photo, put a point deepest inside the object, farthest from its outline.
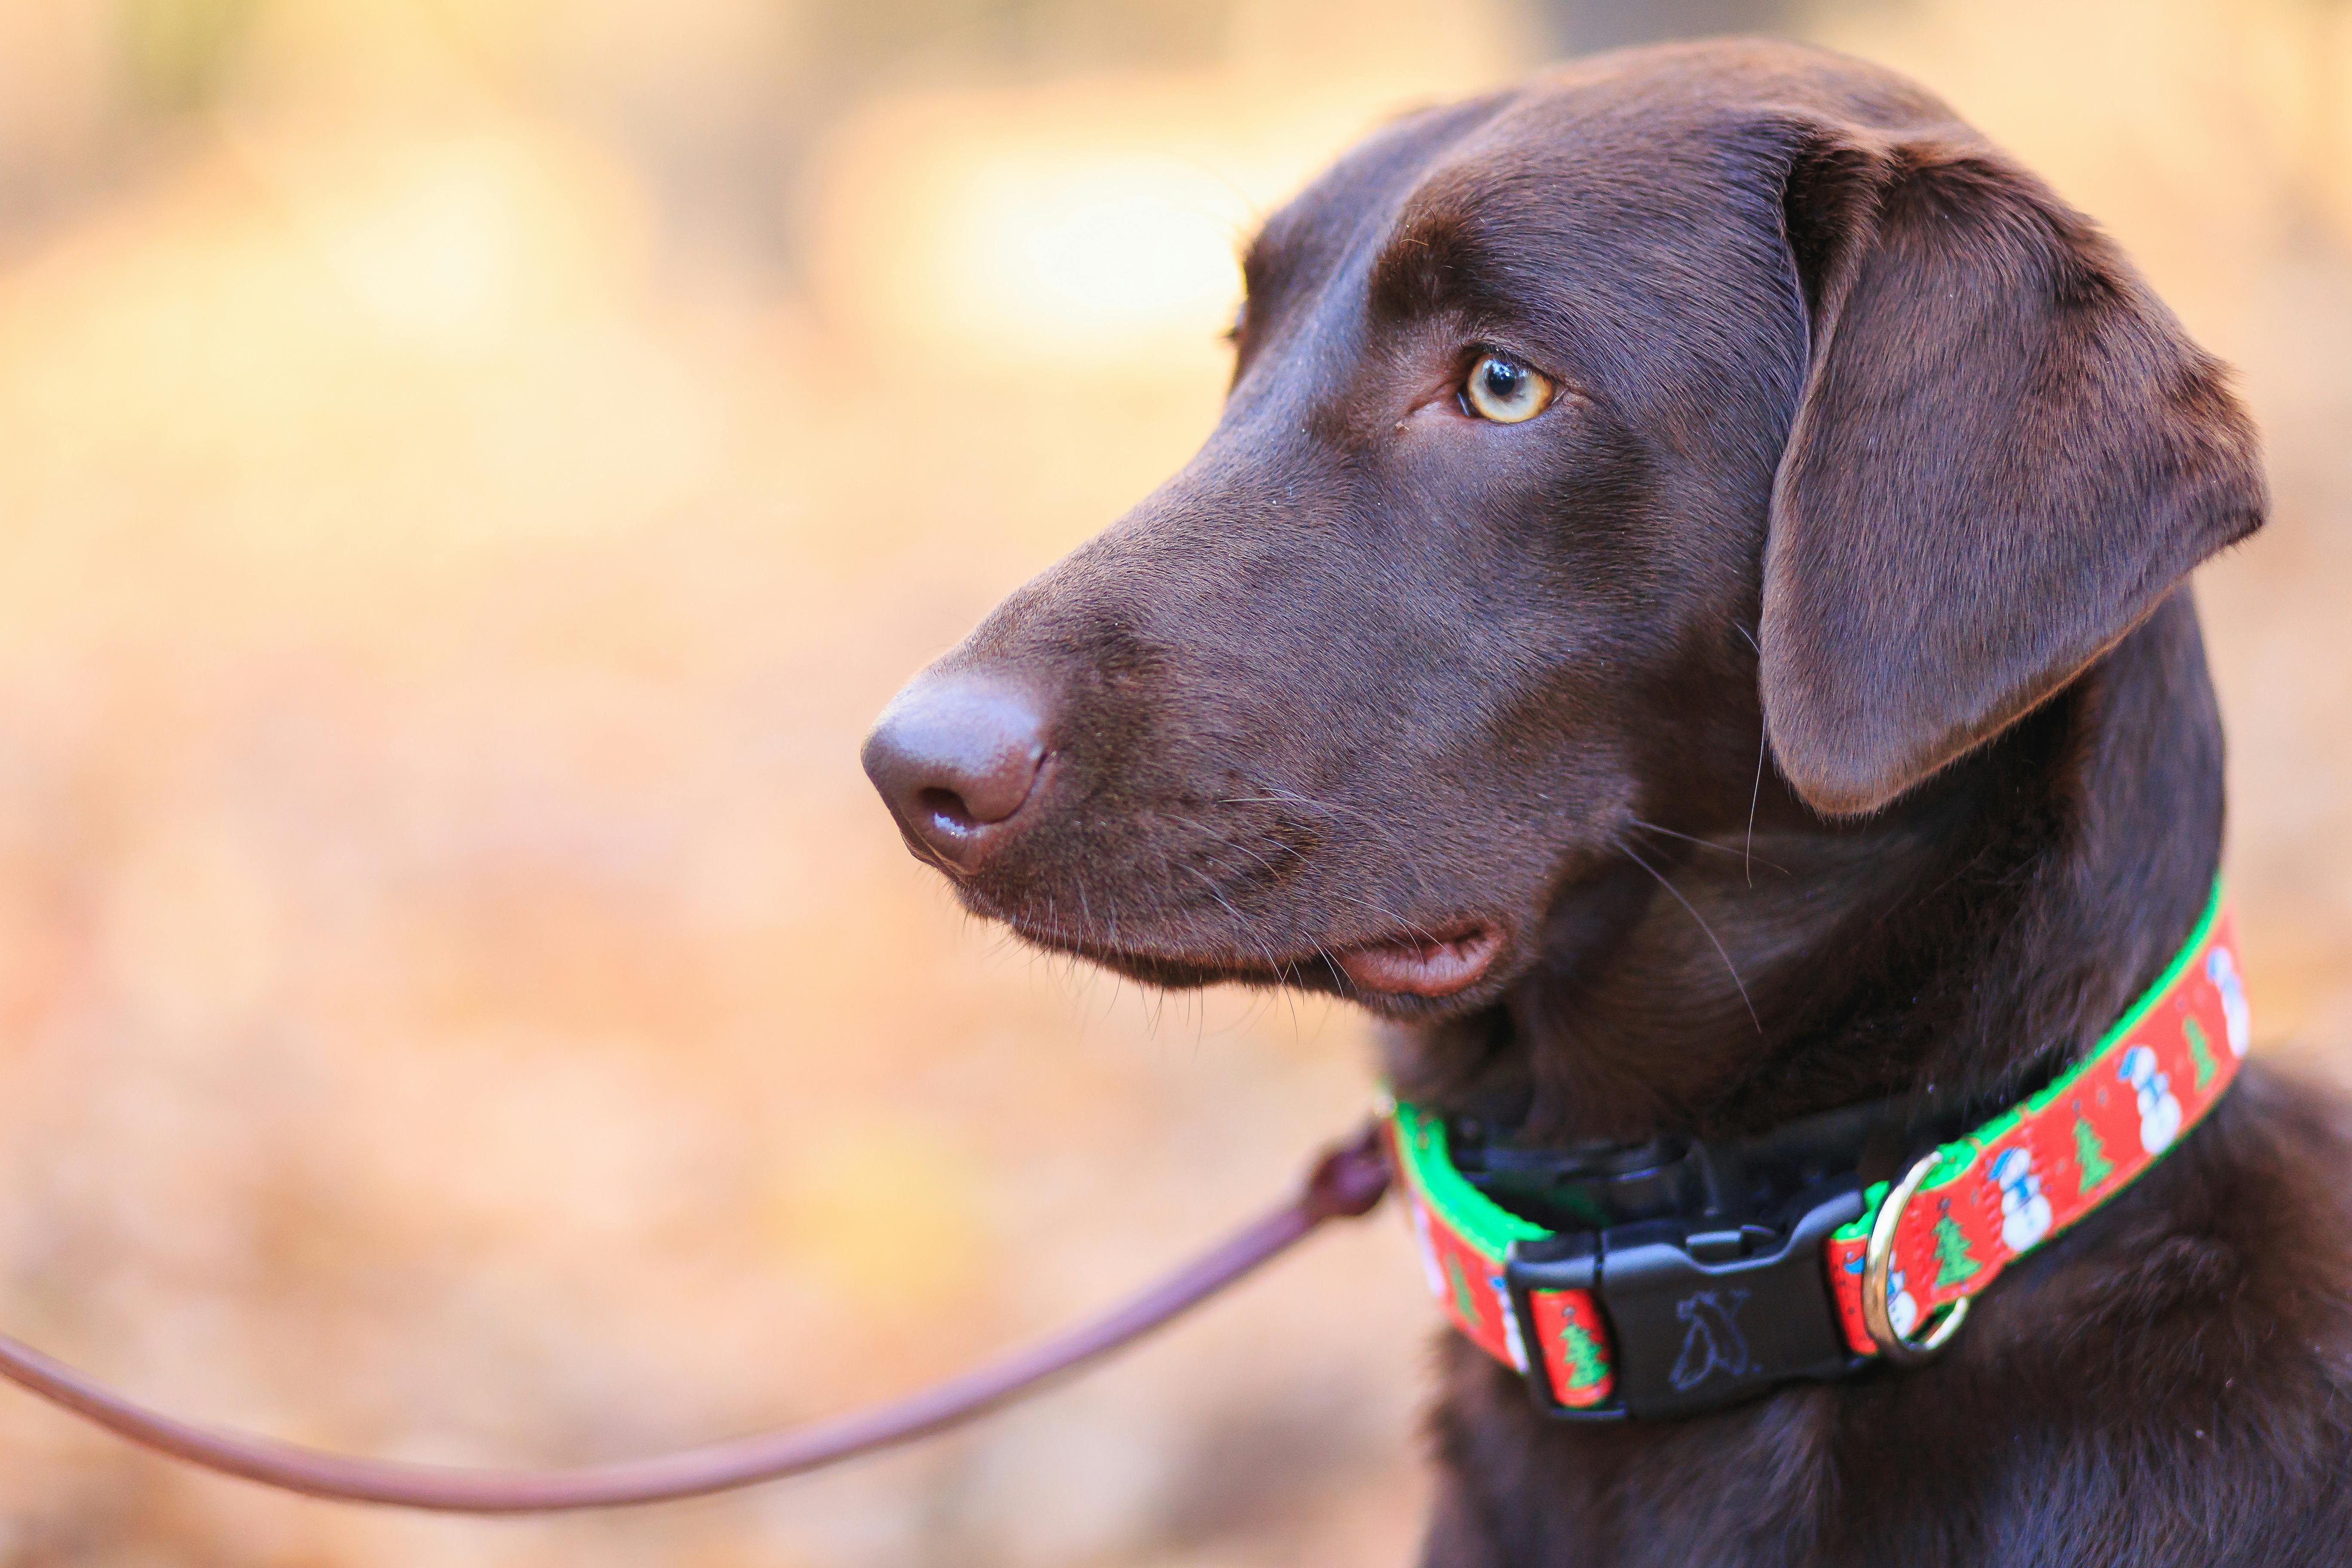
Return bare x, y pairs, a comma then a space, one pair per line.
1755, 793
1277, 796
1281, 970
1749, 855
1710, 930
1381, 914
1755, 789
1383, 917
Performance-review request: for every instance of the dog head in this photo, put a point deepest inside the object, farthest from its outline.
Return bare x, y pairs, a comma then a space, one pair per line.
1690, 433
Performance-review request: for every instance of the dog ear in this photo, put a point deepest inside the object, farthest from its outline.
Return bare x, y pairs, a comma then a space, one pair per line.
2005, 455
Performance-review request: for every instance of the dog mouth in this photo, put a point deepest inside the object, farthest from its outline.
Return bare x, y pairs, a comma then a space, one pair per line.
1423, 964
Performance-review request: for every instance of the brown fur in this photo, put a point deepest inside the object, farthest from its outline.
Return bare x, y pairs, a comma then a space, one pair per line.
1843, 591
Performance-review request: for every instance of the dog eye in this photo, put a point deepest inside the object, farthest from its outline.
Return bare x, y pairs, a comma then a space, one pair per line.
1505, 391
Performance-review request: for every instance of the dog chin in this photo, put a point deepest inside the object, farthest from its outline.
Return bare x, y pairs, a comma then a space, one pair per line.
1418, 975
1187, 969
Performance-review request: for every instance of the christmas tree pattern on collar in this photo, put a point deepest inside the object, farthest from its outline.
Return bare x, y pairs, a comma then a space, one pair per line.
1710, 1334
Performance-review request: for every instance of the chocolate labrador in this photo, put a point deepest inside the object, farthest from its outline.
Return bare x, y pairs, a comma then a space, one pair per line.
1683, 616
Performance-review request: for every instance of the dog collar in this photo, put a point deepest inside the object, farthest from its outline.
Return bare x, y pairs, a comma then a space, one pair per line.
1671, 1316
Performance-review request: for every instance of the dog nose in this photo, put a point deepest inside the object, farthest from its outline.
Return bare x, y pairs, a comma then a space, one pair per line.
956, 757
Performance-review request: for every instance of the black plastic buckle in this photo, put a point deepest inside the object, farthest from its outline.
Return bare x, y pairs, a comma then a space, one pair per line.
1700, 1315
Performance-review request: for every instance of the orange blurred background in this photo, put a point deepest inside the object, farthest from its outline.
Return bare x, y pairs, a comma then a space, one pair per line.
469, 470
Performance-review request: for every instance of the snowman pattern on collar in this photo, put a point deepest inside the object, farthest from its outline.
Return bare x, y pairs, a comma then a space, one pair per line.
2025, 1216
1902, 1307
2159, 1108
2221, 969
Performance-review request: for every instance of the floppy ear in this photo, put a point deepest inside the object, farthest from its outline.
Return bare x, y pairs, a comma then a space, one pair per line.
2005, 455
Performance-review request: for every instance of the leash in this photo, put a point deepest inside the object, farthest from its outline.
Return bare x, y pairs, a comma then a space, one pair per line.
1684, 1304
1347, 1182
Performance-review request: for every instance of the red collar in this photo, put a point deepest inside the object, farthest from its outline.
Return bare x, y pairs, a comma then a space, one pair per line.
1670, 1317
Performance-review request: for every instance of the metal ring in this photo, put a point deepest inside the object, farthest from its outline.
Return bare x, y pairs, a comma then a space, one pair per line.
1877, 1261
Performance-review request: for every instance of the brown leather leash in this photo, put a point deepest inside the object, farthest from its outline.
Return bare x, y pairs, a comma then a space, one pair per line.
1347, 1182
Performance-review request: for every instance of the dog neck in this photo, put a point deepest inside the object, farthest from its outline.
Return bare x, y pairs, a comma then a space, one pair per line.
1976, 935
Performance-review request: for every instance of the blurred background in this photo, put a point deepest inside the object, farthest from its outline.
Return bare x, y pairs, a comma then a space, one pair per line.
469, 470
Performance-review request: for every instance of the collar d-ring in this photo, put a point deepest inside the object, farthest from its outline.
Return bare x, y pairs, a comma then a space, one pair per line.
1877, 1316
